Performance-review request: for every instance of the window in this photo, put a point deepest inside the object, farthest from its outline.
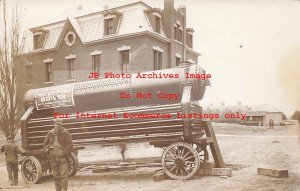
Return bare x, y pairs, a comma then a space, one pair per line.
39, 36
37, 41
28, 79
177, 61
109, 26
157, 65
178, 32
71, 68
28, 68
48, 72
157, 24
189, 40
96, 63
70, 38
28, 74
124, 61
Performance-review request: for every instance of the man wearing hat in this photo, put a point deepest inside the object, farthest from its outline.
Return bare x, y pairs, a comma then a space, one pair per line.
59, 145
11, 151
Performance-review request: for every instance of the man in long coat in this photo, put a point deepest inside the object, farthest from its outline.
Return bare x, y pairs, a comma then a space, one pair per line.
59, 145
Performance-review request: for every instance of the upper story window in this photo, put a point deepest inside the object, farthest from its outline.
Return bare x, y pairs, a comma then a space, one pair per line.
124, 61
189, 37
111, 21
157, 58
28, 71
109, 26
28, 79
28, 67
71, 68
157, 64
48, 72
189, 40
96, 62
155, 18
177, 61
124, 58
178, 32
70, 38
157, 24
39, 36
37, 41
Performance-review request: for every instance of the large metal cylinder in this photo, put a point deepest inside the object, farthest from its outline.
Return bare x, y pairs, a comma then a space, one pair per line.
101, 94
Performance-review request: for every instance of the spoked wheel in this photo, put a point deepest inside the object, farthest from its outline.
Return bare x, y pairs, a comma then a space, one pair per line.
31, 170
180, 161
202, 152
73, 165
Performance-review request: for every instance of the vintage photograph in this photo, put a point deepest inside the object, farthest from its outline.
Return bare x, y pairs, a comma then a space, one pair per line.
150, 95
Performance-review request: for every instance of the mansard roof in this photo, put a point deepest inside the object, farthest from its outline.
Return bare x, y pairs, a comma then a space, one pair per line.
90, 28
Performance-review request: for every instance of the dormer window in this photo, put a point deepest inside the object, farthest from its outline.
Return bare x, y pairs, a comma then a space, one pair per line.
111, 21
178, 31
37, 40
155, 19
39, 36
157, 24
109, 26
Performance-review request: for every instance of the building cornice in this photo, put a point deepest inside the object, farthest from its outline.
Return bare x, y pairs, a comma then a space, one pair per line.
193, 51
108, 39
114, 38
38, 51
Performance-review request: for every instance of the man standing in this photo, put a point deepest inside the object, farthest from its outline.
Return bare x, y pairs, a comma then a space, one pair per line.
59, 145
11, 151
272, 124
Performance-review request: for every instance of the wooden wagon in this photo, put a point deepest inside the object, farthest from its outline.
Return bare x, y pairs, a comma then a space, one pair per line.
114, 120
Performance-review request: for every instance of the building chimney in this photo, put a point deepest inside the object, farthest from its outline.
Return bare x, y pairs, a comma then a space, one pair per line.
169, 16
105, 7
183, 10
168, 22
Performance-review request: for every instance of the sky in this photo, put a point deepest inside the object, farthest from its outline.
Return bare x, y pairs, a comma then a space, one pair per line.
250, 47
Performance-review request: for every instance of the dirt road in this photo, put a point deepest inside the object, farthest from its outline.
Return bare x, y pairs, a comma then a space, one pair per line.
244, 149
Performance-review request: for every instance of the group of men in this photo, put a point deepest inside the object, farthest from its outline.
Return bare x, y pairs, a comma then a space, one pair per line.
58, 144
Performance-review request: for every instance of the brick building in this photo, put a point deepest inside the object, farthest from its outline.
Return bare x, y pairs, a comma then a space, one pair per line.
129, 38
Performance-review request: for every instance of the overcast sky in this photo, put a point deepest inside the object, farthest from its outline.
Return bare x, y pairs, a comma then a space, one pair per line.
251, 48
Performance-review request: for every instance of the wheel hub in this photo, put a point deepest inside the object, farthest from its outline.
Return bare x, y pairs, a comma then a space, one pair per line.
179, 161
29, 170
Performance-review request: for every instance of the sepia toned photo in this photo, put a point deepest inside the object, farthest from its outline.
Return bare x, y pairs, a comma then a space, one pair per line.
150, 95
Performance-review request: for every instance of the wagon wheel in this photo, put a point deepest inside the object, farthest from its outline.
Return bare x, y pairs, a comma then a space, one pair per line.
31, 169
180, 161
202, 152
73, 165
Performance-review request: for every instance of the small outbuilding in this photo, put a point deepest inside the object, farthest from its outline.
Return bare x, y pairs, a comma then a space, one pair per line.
260, 115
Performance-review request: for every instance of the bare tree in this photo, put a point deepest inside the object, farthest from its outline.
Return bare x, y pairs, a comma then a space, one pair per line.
12, 70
